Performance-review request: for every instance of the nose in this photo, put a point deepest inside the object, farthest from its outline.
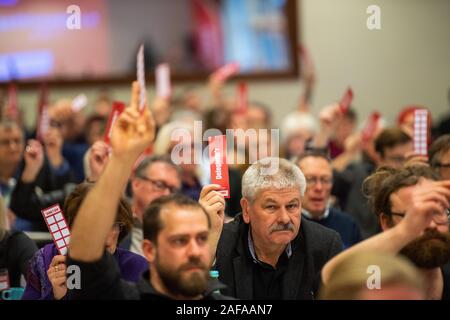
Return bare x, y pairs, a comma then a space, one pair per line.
194, 249
166, 192
283, 216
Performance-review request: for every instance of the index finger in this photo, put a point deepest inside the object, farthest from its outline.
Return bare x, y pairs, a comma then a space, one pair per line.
134, 102
208, 188
57, 260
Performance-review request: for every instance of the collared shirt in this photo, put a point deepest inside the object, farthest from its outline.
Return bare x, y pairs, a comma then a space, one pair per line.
325, 215
267, 280
251, 248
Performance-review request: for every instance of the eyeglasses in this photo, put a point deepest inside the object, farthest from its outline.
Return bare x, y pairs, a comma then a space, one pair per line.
443, 165
160, 185
325, 181
8, 142
439, 218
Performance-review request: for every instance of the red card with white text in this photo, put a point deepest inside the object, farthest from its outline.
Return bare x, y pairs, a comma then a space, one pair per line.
371, 126
141, 78
163, 87
242, 98
218, 163
117, 109
346, 100
58, 227
421, 132
228, 70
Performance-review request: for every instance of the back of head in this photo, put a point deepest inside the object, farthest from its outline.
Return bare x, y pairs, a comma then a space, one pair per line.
352, 277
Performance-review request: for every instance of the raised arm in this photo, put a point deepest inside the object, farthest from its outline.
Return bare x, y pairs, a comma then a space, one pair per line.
214, 203
428, 198
131, 135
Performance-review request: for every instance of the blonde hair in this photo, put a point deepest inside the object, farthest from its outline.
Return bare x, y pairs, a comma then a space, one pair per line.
350, 276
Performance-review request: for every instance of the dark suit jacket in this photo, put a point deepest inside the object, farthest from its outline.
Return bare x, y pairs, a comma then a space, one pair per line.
311, 249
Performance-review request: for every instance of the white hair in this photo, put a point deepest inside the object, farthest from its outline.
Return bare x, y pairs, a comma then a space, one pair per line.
287, 175
297, 120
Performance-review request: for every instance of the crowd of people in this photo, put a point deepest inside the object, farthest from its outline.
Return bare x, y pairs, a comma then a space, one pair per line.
145, 227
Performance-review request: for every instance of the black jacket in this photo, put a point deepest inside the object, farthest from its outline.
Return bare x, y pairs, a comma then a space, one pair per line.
311, 249
101, 280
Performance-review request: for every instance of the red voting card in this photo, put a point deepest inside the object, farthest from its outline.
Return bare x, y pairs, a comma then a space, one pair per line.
228, 70
58, 227
12, 107
163, 87
371, 126
117, 109
346, 100
421, 132
79, 102
42, 120
242, 98
141, 78
218, 163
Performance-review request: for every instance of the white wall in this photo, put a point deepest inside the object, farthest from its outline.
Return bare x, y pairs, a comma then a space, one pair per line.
407, 61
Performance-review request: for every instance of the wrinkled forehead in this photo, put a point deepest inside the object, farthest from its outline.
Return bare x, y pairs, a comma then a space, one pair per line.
281, 196
10, 130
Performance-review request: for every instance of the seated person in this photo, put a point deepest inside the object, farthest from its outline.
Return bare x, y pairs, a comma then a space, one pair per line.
269, 251
46, 278
16, 249
176, 229
316, 203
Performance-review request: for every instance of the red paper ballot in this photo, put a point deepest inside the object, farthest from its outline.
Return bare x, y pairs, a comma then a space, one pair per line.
117, 109
228, 70
58, 227
421, 132
371, 126
218, 163
141, 78
346, 100
242, 98
163, 87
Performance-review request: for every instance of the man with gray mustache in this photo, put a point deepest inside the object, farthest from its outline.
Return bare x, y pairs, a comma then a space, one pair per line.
269, 251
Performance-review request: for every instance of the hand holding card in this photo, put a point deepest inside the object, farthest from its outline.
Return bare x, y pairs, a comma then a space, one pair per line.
58, 227
218, 163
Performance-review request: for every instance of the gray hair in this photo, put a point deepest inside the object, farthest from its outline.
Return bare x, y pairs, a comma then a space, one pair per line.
287, 175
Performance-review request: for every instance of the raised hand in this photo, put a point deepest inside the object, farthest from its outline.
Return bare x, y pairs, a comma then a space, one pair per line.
34, 159
98, 156
430, 201
53, 143
134, 131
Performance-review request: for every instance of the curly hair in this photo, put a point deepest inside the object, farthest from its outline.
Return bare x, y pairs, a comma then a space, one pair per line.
385, 181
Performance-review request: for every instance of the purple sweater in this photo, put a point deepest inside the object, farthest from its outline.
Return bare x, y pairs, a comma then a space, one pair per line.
39, 287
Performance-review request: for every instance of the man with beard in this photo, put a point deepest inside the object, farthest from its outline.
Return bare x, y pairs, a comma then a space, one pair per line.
413, 210
176, 229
